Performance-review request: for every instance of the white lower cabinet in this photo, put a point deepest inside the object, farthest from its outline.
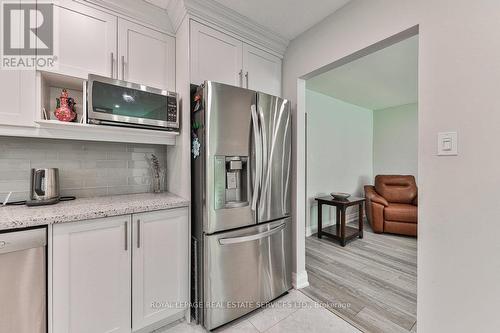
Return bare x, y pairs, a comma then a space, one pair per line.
120, 274
91, 279
160, 266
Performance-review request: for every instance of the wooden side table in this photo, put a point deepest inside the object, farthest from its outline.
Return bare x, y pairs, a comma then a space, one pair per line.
340, 231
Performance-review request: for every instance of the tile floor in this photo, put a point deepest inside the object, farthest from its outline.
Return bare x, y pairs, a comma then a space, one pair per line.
294, 312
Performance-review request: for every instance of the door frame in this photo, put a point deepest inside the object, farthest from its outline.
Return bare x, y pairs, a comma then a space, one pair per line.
302, 206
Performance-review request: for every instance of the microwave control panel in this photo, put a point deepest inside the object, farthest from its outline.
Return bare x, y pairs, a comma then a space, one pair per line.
173, 111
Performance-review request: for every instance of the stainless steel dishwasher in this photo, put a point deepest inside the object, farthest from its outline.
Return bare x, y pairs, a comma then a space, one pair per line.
23, 281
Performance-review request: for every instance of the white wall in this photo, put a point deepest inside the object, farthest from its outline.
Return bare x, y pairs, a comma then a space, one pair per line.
339, 151
459, 71
395, 140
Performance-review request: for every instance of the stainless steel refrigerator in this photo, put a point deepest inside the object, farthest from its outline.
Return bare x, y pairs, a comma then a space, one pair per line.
242, 229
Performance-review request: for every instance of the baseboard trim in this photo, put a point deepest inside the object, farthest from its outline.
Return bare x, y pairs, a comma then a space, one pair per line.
300, 280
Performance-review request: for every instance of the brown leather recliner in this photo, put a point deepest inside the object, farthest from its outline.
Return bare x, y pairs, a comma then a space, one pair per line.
391, 205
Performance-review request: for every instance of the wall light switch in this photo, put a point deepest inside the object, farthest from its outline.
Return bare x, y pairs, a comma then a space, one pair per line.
447, 143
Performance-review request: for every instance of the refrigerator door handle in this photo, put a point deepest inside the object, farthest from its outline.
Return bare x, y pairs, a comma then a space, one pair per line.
243, 239
241, 77
265, 166
258, 157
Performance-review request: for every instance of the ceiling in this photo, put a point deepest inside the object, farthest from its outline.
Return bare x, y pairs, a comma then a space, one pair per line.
159, 3
383, 79
289, 18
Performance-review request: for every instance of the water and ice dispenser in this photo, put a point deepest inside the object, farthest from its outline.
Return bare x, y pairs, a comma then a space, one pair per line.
231, 181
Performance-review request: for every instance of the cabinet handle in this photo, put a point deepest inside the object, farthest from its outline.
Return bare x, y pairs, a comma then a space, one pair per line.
112, 65
138, 233
241, 77
126, 236
123, 68
246, 78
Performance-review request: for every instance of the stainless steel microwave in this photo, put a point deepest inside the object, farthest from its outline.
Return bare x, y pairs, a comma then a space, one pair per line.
121, 103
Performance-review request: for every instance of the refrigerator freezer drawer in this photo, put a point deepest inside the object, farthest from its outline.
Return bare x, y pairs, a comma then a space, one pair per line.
245, 269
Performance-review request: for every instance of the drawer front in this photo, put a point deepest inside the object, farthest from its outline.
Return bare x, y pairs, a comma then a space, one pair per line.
245, 269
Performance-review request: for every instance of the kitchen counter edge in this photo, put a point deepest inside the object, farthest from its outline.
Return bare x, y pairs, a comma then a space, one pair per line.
15, 217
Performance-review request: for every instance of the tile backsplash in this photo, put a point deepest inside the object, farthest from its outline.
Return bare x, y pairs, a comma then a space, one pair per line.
86, 169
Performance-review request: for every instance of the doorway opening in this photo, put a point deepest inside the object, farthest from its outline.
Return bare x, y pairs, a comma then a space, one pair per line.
362, 139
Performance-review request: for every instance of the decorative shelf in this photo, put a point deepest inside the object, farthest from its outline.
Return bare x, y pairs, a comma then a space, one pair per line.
49, 86
89, 132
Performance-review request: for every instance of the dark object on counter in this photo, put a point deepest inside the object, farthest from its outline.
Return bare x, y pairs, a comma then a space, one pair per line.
39, 203
31, 203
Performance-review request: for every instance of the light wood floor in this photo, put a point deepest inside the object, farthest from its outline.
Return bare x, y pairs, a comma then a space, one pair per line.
376, 276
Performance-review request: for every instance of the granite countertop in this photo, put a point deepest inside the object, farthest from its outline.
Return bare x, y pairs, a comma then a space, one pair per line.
87, 208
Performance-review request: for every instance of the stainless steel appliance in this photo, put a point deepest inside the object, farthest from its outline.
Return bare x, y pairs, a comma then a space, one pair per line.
23, 281
242, 229
121, 103
44, 187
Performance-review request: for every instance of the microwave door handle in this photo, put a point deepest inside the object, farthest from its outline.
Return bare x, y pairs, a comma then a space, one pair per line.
112, 65
249, 238
123, 68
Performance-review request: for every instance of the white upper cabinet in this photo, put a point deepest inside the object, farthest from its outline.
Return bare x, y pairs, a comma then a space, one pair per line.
146, 56
17, 96
262, 70
17, 92
160, 266
10, 95
215, 56
219, 57
92, 276
91, 41
85, 40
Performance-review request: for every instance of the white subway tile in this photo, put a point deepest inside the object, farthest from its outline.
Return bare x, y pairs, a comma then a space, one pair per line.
116, 190
15, 185
61, 164
15, 196
139, 180
20, 164
86, 169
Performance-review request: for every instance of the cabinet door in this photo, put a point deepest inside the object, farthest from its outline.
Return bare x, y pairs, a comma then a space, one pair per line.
17, 93
262, 70
215, 56
160, 266
146, 56
85, 40
91, 276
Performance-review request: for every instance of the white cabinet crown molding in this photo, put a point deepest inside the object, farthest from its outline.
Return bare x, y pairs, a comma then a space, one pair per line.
176, 11
138, 11
228, 19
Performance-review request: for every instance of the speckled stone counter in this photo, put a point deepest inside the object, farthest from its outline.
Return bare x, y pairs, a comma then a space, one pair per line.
87, 208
